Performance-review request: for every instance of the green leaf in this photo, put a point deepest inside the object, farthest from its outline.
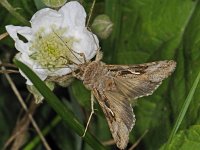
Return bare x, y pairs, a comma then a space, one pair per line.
81, 94
39, 4
13, 11
186, 139
144, 31
67, 116
151, 30
184, 109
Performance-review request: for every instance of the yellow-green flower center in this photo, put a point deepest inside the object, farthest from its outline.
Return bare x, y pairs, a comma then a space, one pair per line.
52, 50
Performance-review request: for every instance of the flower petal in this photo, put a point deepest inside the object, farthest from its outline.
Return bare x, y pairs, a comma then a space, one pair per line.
46, 18
31, 64
69, 22
73, 14
61, 72
86, 43
26, 32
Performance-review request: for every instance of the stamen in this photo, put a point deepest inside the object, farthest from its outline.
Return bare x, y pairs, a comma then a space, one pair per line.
50, 50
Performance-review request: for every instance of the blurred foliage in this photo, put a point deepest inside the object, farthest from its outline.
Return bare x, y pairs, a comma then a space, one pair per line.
187, 139
143, 31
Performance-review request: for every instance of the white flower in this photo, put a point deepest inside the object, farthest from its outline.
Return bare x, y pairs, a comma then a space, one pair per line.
56, 41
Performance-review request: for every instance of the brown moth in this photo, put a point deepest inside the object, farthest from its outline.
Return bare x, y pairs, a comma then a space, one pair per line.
114, 86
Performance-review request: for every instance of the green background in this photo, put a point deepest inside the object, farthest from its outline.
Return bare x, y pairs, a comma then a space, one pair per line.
143, 31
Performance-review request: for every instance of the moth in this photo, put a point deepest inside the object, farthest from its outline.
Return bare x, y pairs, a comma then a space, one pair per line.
115, 86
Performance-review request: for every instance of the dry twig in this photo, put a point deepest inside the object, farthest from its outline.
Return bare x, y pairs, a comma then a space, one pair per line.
26, 109
3, 35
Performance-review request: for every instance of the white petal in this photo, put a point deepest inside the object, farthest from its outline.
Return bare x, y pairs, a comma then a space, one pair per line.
19, 57
86, 43
23, 47
42, 74
73, 14
61, 72
25, 32
46, 18
25, 59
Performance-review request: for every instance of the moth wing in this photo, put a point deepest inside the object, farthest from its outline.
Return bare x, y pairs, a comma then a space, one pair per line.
141, 80
140, 68
119, 115
128, 82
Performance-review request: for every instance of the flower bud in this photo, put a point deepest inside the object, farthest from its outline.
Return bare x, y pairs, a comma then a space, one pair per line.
102, 26
54, 3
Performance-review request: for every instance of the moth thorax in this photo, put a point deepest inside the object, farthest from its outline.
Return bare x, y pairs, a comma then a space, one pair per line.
92, 74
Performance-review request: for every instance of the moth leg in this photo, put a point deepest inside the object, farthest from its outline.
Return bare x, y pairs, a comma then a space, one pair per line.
90, 117
84, 58
81, 55
99, 55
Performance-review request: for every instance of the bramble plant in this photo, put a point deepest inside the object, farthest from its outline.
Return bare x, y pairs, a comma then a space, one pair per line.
56, 40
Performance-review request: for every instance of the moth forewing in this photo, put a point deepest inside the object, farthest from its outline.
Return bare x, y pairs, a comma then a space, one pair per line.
119, 115
114, 86
141, 80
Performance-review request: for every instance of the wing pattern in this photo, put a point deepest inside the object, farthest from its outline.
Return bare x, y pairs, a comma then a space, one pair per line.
122, 84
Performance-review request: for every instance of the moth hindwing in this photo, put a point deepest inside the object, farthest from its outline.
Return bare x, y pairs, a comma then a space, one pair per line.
115, 85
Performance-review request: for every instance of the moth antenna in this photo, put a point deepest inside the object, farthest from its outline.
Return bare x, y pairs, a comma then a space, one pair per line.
90, 117
99, 55
72, 71
71, 50
66, 66
69, 60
